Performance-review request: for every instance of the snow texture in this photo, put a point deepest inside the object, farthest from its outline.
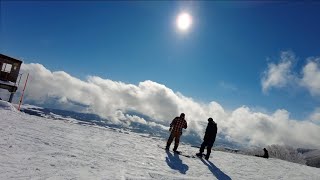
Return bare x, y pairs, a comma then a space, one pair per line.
7, 106
7, 83
41, 148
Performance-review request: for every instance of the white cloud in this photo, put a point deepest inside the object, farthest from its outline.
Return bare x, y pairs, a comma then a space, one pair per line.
262, 129
112, 99
315, 116
281, 75
311, 76
278, 75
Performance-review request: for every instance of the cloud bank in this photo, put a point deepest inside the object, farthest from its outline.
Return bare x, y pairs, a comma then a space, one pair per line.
278, 75
112, 99
282, 75
315, 116
311, 76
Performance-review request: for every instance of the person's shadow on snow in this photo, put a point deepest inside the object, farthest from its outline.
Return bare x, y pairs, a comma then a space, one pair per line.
174, 162
216, 171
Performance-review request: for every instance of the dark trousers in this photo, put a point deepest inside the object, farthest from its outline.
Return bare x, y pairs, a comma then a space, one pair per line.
209, 147
176, 137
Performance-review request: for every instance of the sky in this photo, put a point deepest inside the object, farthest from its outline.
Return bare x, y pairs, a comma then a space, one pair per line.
238, 62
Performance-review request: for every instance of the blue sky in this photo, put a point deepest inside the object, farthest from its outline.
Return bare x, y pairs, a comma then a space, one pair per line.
222, 57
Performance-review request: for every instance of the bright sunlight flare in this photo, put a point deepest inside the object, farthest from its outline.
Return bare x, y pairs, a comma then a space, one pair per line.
184, 21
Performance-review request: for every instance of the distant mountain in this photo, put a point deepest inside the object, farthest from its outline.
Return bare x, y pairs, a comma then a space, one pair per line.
312, 156
192, 138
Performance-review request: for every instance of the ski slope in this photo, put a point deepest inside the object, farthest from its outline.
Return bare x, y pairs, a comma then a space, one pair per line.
39, 148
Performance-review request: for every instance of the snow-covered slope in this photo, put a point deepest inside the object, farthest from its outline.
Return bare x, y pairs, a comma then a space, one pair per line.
159, 130
40, 148
313, 158
7, 106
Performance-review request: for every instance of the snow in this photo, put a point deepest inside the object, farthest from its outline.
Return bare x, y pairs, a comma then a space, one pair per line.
7, 106
7, 83
29, 106
41, 148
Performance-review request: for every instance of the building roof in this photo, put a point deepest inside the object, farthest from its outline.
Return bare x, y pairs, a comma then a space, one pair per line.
2, 56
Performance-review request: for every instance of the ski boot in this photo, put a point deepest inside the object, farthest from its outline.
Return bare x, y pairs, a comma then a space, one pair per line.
199, 155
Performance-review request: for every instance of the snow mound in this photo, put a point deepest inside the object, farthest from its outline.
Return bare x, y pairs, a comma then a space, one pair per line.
29, 106
7, 106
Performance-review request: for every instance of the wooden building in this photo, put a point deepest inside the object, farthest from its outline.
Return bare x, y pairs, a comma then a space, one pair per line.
9, 74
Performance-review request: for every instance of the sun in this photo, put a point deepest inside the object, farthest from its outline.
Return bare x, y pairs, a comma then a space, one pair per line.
184, 21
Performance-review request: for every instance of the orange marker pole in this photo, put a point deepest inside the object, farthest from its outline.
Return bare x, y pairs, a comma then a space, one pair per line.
21, 98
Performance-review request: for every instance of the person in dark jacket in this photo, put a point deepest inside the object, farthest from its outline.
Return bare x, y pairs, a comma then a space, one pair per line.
176, 131
265, 155
209, 138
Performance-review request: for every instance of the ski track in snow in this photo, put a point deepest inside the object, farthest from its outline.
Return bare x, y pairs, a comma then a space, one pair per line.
38, 148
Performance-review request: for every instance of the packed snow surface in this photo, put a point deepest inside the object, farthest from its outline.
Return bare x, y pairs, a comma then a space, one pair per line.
40, 148
7, 106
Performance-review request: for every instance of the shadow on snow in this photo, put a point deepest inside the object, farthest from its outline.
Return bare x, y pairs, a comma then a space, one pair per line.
174, 162
216, 171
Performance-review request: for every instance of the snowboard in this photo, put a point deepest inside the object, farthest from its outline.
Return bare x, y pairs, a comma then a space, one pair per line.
178, 152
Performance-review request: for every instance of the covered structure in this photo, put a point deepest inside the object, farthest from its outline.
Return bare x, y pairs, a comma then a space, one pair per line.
9, 74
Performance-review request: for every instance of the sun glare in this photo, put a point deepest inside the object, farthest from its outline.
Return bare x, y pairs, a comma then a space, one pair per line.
184, 21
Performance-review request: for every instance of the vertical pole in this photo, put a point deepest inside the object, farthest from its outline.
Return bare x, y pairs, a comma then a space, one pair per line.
21, 98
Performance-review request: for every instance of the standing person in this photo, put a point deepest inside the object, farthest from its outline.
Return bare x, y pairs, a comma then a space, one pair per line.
209, 138
176, 131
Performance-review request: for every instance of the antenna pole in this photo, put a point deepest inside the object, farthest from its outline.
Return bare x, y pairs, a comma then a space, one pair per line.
21, 98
